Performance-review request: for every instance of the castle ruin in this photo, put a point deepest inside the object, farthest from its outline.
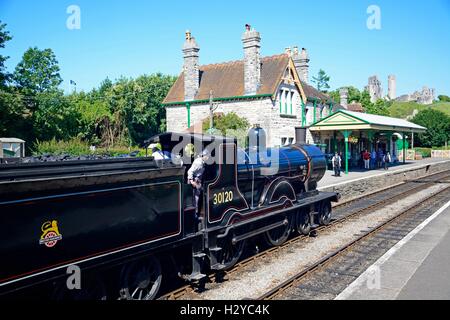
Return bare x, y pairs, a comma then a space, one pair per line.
426, 96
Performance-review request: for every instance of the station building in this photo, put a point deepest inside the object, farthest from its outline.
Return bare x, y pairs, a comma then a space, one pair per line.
270, 91
274, 93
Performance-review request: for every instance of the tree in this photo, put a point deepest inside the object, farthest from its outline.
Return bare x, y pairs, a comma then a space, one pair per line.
230, 125
46, 110
321, 81
381, 107
438, 128
444, 98
4, 37
223, 123
93, 114
37, 72
12, 113
55, 117
135, 106
354, 95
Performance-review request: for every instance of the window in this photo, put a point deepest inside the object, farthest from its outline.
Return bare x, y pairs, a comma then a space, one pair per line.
286, 101
285, 141
281, 99
291, 100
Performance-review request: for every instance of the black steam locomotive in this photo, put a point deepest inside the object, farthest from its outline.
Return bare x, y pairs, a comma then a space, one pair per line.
122, 222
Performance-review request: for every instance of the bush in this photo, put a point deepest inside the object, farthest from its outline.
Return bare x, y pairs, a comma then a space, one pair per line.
444, 98
441, 148
73, 147
425, 152
78, 147
120, 151
230, 125
438, 128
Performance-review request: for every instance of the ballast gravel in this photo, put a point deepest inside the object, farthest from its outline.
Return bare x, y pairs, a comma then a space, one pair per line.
256, 279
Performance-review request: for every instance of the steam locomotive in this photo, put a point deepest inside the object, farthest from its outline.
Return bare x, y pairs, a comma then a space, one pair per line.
119, 223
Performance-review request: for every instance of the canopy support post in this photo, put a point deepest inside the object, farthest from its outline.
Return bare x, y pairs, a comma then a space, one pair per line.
404, 147
346, 134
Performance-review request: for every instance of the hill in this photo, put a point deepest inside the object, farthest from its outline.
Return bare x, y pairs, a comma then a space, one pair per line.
404, 109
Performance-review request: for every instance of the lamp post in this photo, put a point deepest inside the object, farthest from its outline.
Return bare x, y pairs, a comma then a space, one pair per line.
212, 107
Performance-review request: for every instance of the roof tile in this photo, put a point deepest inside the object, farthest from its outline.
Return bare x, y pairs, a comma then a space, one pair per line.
227, 79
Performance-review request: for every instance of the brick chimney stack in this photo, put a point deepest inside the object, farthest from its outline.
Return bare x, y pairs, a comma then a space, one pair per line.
191, 67
301, 62
343, 92
251, 40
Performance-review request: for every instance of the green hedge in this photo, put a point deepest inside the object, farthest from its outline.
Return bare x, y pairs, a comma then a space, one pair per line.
78, 147
425, 152
73, 147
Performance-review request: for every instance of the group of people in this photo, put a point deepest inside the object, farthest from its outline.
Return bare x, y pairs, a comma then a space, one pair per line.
376, 160
372, 160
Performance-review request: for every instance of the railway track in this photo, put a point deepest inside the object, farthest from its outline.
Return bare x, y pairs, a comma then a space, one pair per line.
330, 275
342, 213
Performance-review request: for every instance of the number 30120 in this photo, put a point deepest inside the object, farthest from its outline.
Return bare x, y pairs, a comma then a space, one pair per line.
223, 197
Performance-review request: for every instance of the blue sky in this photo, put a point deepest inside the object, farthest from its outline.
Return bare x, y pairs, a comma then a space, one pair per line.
137, 37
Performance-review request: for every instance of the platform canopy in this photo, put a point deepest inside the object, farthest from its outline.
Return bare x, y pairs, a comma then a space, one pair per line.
11, 140
348, 120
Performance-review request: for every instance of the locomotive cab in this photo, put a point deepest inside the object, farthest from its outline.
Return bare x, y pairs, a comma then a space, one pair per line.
220, 171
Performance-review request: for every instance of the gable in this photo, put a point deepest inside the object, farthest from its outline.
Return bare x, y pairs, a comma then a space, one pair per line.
344, 119
290, 77
341, 119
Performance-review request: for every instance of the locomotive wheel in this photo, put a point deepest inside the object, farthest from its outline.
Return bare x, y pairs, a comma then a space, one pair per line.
92, 288
230, 253
142, 279
303, 223
279, 235
325, 214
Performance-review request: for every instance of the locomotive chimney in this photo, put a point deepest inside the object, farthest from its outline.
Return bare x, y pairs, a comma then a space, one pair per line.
300, 135
256, 143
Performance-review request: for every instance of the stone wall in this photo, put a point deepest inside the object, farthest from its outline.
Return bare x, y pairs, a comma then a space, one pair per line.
440, 154
359, 187
177, 120
263, 112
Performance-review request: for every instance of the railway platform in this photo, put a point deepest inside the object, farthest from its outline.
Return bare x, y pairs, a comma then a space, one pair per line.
330, 180
359, 183
416, 268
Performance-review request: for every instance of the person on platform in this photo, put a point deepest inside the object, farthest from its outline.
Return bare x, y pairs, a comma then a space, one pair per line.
366, 158
337, 163
387, 160
373, 159
380, 158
